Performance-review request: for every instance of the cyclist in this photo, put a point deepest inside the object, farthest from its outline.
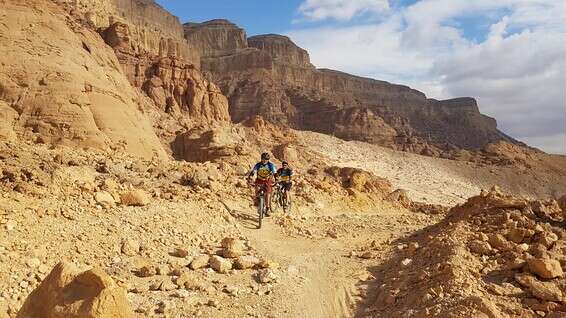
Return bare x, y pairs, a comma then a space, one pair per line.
266, 171
283, 176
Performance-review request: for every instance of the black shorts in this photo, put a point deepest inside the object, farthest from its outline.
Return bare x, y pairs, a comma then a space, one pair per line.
286, 185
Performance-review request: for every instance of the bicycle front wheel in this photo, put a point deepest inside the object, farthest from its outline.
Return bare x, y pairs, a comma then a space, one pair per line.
260, 210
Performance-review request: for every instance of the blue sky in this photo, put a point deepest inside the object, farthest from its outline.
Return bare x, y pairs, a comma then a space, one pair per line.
256, 16
508, 54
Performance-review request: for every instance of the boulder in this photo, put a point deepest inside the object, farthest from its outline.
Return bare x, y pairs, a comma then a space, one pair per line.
104, 199
499, 242
188, 281
246, 262
135, 198
220, 264
130, 247
542, 290
200, 261
232, 248
480, 247
180, 252
68, 292
545, 268
267, 275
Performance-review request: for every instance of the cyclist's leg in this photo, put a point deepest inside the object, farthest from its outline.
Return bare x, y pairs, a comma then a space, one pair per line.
268, 189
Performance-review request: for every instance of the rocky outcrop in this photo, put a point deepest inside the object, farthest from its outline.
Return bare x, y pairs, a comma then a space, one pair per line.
174, 85
60, 84
215, 38
152, 28
269, 75
281, 49
67, 292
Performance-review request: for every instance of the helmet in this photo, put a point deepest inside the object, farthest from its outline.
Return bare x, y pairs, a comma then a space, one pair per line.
285, 163
265, 156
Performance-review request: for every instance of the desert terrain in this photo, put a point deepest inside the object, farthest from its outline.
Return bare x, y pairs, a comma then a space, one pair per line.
124, 143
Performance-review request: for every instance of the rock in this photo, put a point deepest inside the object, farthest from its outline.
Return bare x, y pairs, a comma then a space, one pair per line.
163, 284
33, 262
517, 235
541, 290
246, 262
547, 238
545, 268
181, 294
188, 281
179, 252
105, 199
163, 269
367, 255
146, 271
231, 290
267, 275
406, 262
200, 261
130, 247
220, 264
232, 248
135, 198
67, 292
266, 263
11, 225
400, 196
480, 247
43, 269
499, 242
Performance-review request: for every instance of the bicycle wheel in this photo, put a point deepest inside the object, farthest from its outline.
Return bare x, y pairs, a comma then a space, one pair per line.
260, 209
275, 197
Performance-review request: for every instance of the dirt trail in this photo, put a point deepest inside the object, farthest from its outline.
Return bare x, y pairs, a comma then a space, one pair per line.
318, 275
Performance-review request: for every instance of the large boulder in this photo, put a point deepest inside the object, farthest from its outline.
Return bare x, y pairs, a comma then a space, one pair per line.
215, 144
68, 292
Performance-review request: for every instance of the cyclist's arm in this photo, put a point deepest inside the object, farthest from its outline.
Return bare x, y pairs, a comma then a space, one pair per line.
252, 172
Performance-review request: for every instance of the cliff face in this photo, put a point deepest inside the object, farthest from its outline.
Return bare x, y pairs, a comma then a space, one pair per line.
269, 75
175, 86
152, 28
60, 84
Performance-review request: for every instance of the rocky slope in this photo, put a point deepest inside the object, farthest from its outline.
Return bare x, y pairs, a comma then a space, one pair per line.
60, 84
269, 75
107, 74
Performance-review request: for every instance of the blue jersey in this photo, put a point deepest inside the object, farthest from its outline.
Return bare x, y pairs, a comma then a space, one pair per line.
264, 171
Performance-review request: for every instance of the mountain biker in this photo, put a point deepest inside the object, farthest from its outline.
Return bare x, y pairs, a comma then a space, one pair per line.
283, 177
266, 171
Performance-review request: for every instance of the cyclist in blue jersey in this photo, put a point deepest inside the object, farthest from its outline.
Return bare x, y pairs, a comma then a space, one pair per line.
265, 171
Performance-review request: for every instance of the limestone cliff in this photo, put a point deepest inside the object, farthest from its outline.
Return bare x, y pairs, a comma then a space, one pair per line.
269, 75
60, 84
152, 28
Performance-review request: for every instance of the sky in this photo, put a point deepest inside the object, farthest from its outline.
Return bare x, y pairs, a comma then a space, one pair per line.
508, 54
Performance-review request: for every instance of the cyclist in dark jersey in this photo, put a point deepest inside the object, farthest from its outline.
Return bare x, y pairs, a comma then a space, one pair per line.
283, 176
265, 170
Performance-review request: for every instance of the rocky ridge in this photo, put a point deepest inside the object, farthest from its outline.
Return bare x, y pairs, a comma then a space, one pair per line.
269, 75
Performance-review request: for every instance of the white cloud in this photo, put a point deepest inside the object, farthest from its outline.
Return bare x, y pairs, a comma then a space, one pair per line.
316, 10
517, 72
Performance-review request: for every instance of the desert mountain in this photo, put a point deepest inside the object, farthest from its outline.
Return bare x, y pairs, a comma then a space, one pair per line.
270, 76
124, 138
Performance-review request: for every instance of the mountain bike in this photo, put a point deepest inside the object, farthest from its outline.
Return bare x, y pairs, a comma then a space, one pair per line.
280, 198
262, 202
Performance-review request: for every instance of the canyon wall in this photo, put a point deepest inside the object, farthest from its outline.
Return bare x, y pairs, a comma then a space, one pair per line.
269, 75
61, 84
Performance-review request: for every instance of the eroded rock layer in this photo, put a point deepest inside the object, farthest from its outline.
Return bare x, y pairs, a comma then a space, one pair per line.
269, 75
60, 84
